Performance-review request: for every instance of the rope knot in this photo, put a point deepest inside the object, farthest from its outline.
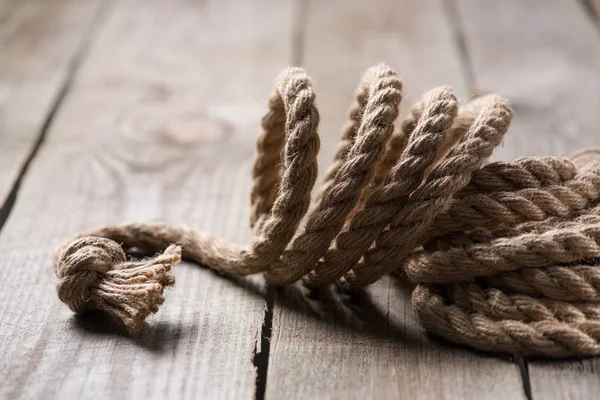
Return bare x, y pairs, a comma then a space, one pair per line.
95, 275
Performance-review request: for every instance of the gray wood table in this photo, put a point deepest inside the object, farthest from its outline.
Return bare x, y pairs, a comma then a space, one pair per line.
146, 110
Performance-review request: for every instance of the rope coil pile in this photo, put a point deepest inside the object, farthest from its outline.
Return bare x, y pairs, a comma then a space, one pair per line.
504, 255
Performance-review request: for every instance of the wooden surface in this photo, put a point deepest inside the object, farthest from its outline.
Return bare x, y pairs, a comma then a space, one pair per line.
148, 110
40, 44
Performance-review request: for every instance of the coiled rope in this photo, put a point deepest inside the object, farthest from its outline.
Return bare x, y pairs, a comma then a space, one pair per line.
504, 255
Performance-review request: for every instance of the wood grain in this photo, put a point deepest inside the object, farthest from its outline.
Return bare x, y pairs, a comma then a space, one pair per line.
160, 124
549, 70
324, 344
39, 42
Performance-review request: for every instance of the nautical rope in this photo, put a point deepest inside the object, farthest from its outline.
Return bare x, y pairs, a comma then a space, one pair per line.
504, 255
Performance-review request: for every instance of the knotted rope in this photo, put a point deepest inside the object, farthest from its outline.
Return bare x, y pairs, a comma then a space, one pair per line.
504, 255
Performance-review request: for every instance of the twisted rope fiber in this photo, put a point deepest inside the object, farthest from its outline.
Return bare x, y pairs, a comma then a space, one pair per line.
504, 256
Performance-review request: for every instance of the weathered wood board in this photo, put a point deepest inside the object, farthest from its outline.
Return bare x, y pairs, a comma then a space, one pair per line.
40, 43
159, 124
329, 346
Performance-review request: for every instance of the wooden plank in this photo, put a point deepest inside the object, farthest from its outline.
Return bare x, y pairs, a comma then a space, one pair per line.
39, 41
372, 346
550, 72
160, 125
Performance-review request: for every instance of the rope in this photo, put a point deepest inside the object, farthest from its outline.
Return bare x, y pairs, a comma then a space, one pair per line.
503, 256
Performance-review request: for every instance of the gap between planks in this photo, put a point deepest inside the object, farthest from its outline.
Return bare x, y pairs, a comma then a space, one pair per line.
262, 347
454, 19
72, 69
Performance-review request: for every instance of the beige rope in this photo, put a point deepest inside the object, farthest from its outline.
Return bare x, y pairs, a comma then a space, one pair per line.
504, 255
